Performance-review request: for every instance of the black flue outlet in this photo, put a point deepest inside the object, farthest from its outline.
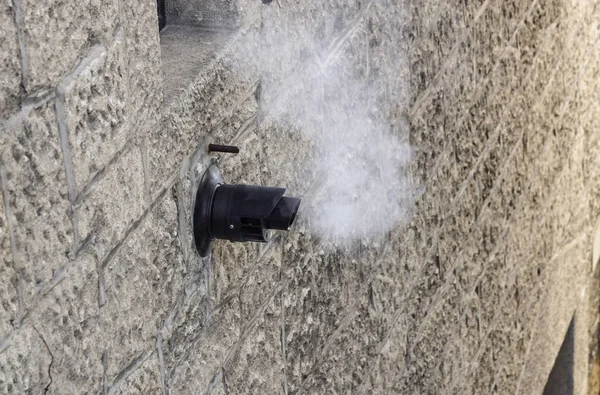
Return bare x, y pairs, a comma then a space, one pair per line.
238, 213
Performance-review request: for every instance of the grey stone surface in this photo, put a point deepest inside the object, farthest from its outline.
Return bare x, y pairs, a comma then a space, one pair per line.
10, 65
70, 321
143, 59
233, 129
24, 365
95, 109
239, 291
472, 293
257, 365
145, 380
110, 207
8, 278
285, 151
244, 168
230, 267
194, 374
186, 52
37, 202
58, 33
150, 262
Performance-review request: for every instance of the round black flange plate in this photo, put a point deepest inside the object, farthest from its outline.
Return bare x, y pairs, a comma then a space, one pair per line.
202, 208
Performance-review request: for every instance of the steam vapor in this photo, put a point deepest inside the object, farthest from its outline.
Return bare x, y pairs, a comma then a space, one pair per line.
362, 156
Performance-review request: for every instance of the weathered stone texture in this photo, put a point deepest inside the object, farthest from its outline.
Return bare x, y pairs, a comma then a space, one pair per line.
150, 261
144, 85
24, 365
210, 344
279, 161
230, 267
70, 322
110, 207
95, 108
101, 289
58, 33
257, 365
10, 66
9, 294
37, 205
145, 380
242, 168
8, 278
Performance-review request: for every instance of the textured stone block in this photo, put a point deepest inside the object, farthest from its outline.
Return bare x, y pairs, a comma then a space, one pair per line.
24, 365
150, 262
493, 291
386, 358
93, 102
145, 88
234, 128
440, 26
571, 210
181, 334
504, 145
480, 377
354, 344
256, 366
383, 42
511, 337
218, 388
449, 369
194, 360
10, 66
472, 331
113, 203
192, 368
38, 206
8, 278
429, 282
58, 34
468, 227
69, 320
231, 263
318, 293
187, 52
386, 291
260, 283
427, 346
144, 380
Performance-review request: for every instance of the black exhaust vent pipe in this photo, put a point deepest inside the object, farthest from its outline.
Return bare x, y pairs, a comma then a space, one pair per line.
238, 213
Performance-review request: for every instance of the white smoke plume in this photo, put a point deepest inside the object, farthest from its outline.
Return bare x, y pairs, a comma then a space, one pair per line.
364, 187
350, 101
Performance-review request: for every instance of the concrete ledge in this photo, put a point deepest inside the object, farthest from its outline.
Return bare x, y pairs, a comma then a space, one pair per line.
187, 51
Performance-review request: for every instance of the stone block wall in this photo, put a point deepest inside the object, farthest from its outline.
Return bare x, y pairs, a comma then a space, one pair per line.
103, 128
